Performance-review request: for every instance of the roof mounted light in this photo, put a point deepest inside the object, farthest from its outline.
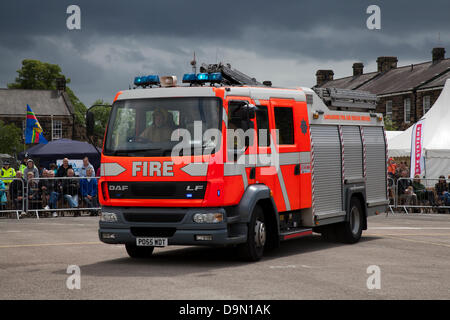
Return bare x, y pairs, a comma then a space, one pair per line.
146, 81
201, 78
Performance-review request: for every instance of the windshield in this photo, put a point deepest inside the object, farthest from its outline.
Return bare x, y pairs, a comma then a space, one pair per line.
145, 127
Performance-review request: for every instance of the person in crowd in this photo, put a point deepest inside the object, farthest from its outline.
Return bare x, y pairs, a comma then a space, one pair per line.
23, 165
47, 187
88, 188
422, 193
62, 170
3, 198
405, 190
31, 168
86, 165
32, 191
97, 174
7, 172
16, 190
53, 167
70, 189
442, 191
55, 194
392, 168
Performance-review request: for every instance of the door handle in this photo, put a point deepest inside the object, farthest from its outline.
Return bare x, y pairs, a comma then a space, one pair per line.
252, 173
297, 170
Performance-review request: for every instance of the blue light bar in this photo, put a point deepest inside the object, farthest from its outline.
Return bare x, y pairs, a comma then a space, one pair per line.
189, 77
146, 80
202, 77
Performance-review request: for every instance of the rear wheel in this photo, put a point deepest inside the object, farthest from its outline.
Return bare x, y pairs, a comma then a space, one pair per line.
138, 252
350, 231
253, 249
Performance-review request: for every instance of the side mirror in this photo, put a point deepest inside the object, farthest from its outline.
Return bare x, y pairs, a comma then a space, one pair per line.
90, 123
251, 111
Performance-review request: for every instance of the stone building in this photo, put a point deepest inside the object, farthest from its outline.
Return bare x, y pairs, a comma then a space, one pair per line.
52, 108
405, 93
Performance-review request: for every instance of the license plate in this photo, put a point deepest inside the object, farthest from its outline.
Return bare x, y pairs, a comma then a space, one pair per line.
151, 242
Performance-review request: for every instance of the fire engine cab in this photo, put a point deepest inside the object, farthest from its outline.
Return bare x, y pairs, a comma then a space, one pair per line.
173, 171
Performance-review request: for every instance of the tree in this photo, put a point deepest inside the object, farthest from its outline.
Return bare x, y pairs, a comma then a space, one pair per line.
10, 138
35, 74
388, 124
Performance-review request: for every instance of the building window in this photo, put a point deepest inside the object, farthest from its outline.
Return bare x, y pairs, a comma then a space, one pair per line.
57, 130
426, 104
407, 107
389, 109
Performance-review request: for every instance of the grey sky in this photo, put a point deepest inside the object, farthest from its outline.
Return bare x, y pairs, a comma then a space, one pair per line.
282, 41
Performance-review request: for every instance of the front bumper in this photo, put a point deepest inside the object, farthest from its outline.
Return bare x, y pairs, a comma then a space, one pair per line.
182, 232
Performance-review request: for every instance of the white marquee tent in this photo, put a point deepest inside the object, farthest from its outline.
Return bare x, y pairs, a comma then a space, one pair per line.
436, 137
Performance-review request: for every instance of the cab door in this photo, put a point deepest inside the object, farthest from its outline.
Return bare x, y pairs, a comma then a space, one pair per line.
283, 175
239, 168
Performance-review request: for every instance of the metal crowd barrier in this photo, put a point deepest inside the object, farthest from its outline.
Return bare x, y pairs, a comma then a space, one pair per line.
49, 196
12, 200
420, 195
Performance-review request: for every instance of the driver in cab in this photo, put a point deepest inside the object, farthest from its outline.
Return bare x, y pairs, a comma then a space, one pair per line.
159, 130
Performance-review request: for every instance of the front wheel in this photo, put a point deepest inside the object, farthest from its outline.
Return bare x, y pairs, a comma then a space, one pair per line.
138, 252
253, 249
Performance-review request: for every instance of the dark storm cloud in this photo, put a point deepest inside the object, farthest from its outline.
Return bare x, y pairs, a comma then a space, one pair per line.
119, 39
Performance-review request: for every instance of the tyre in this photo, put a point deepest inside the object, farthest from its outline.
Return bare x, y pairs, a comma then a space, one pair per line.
253, 249
350, 231
138, 252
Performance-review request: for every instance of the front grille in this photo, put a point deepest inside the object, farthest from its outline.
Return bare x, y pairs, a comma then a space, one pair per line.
153, 217
157, 190
152, 232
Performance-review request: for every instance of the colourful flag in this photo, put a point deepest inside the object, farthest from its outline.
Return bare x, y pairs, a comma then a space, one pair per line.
33, 132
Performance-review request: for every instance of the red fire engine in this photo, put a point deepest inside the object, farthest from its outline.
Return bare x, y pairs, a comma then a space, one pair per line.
309, 161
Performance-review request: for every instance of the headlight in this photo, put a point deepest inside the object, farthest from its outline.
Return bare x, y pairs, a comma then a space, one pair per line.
208, 217
108, 217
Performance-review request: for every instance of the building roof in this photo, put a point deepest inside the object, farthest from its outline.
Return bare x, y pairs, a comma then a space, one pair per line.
401, 79
42, 102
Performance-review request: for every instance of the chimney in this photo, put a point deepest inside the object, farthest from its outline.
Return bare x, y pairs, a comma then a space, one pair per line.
386, 63
358, 69
61, 84
323, 76
438, 54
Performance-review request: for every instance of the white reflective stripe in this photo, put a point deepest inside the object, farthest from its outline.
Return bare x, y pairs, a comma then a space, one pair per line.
196, 169
305, 157
111, 169
280, 178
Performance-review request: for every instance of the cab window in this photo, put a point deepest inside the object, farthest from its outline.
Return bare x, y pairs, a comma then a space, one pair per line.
262, 121
284, 122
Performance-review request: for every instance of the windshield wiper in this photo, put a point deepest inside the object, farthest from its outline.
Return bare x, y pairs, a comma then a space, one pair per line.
127, 152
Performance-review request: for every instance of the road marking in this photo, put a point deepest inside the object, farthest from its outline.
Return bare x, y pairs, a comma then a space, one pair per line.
410, 228
47, 244
412, 240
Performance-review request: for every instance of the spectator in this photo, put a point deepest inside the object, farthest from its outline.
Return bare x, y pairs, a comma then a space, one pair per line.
53, 167
47, 187
98, 172
7, 172
86, 165
442, 191
70, 189
55, 194
16, 190
32, 191
62, 170
88, 188
23, 165
392, 168
31, 168
405, 189
3, 198
422, 193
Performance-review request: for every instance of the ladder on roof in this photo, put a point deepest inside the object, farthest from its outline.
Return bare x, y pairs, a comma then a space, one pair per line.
349, 100
229, 75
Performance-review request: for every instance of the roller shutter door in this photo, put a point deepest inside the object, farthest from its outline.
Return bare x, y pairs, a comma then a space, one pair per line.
327, 169
353, 152
375, 163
